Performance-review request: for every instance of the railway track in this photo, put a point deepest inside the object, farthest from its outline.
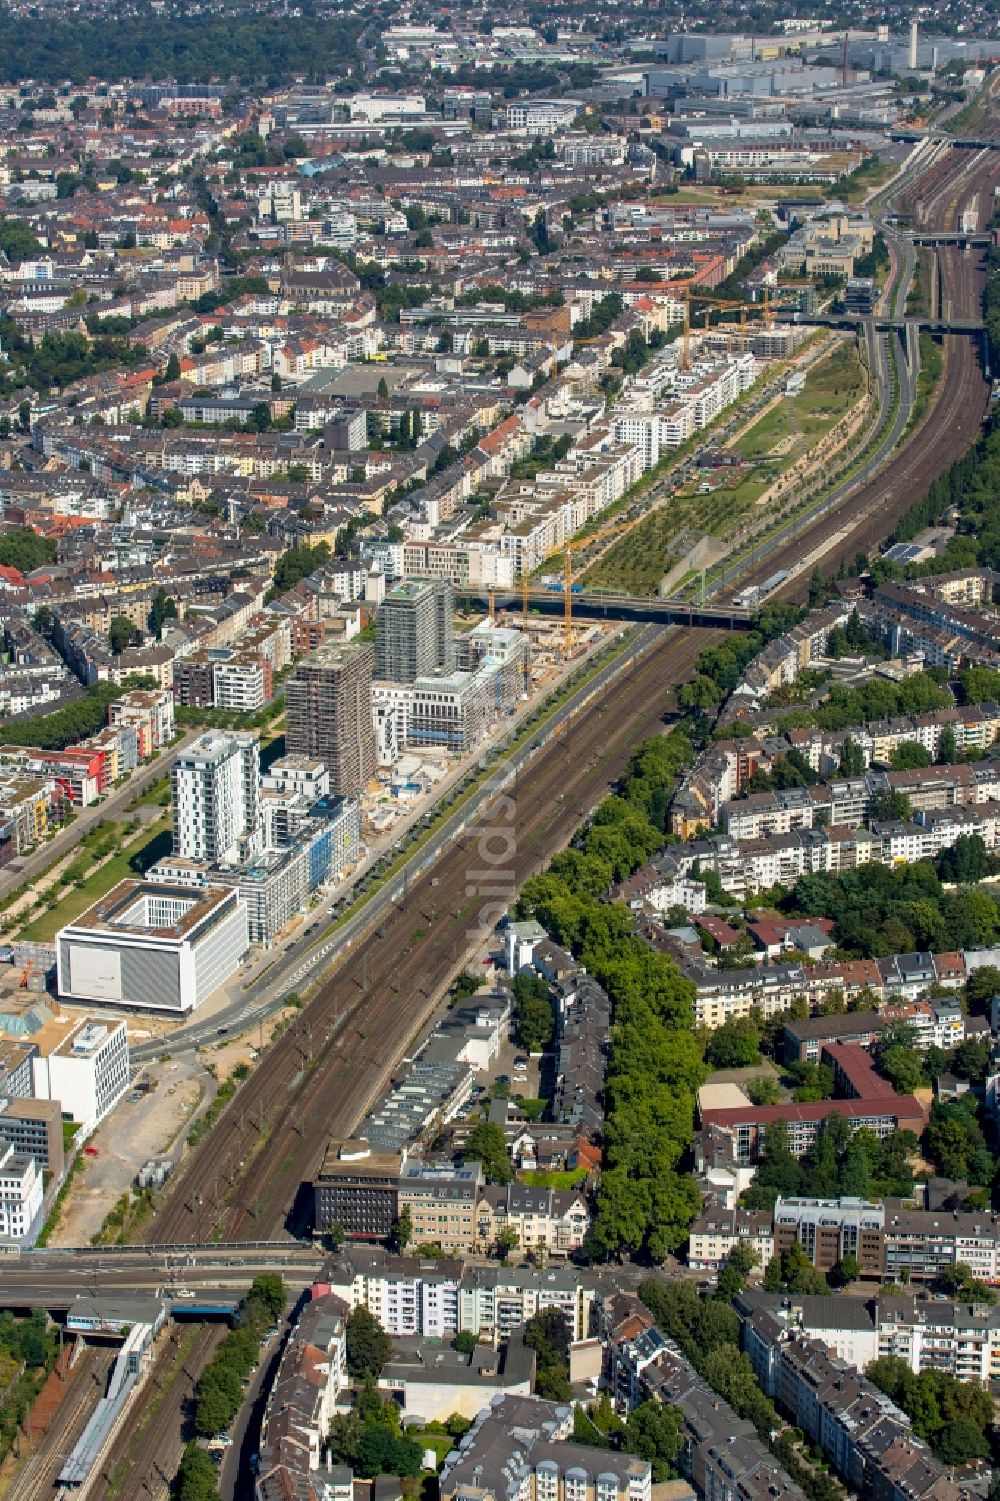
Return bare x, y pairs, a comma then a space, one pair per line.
951, 423
144, 1457
323, 1073
86, 1384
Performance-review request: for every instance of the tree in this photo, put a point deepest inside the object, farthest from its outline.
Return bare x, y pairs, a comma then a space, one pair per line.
655, 1432
119, 634
764, 1090
465, 1342
960, 1442
846, 1270
889, 807
368, 1345
947, 747
909, 755
486, 1144
736, 1044
383, 1452
798, 1273
734, 1271
980, 988
197, 1478
903, 1068
173, 370
402, 1229
852, 758
508, 1240
25, 550
267, 1290
162, 609
548, 1334
779, 1168
383, 389
534, 1016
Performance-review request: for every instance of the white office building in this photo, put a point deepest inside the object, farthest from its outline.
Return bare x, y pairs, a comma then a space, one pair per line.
216, 798
82, 1064
153, 945
20, 1194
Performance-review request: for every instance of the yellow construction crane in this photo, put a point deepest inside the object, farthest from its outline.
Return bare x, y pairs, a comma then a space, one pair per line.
525, 582
580, 544
694, 294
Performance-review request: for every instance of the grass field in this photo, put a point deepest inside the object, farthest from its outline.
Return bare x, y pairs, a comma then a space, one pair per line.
638, 562
799, 421
553, 1178
148, 846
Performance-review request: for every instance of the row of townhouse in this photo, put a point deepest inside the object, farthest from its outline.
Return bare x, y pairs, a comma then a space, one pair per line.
891, 1240
863, 1435
726, 995
849, 800
937, 1023
724, 768
311, 1375
782, 660
721, 1455
365, 1192
128, 454
938, 616
745, 866
928, 1334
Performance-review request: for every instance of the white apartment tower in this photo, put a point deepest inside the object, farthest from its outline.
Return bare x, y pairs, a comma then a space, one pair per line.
216, 798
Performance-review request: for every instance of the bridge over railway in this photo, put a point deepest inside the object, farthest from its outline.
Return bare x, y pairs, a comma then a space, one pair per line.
597, 605
949, 237
882, 324
196, 1281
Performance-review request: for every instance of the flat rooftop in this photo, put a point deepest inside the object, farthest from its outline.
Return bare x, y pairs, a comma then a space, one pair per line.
131, 907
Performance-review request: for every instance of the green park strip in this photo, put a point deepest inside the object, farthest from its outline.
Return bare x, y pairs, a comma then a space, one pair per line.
132, 857
804, 514
637, 563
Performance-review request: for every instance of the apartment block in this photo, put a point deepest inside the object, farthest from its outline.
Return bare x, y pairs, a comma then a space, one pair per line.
34, 1127
863, 1435
544, 1220
830, 1229
215, 786
152, 713
20, 1195
312, 1374
518, 1450
329, 715
414, 633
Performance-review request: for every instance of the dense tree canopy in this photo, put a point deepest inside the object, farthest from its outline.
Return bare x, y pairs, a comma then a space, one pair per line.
189, 48
26, 550
951, 1415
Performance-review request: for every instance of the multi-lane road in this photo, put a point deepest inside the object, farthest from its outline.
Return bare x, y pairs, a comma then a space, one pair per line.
243, 1181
